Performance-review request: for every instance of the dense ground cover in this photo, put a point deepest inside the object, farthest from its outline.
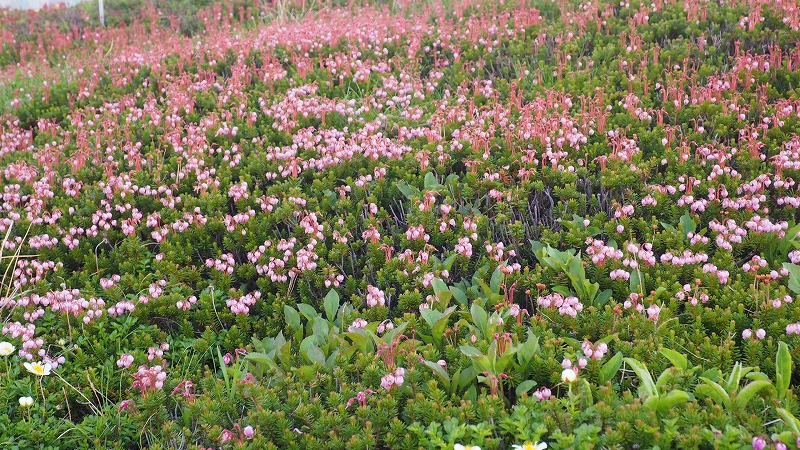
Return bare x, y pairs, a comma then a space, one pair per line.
413, 225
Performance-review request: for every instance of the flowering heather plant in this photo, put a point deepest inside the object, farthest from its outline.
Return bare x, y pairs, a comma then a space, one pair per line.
418, 225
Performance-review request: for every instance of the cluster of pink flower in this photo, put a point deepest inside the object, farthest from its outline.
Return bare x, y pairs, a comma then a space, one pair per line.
121, 308
384, 326
186, 389
686, 258
542, 394
596, 351
722, 275
238, 433
157, 352
125, 360
777, 302
225, 263
108, 283
417, 233
600, 251
186, 305
569, 306
154, 291
693, 295
375, 297
358, 323
633, 301
394, 379
149, 378
241, 305
748, 333
361, 398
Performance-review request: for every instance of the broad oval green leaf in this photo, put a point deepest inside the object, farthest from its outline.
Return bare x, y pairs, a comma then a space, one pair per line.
749, 392
678, 360
331, 304
783, 369
292, 317
525, 386
647, 386
610, 368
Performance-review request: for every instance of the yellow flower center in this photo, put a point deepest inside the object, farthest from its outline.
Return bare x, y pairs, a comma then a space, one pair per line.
38, 369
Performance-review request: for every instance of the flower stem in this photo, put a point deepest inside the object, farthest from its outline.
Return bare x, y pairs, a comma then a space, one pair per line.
44, 399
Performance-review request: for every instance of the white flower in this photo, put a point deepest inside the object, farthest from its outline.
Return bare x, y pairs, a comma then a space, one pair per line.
529, 446
466, 447
568, 376
6, 348
25, 402
38, 368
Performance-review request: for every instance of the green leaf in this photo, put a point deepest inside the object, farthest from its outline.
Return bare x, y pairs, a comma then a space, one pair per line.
331, 304
610, 368
320, 328
260, 358
666, 376
525, 386
757, 376
315, 355
604, 297
667, 226
408, 191
430, 181
438, 370
223, 366
360, 340
671, 400
431, 316
292, 317
389, 336
587, 390
687, 224
331, 360
736, 376
466, 376
307, 310
332, 197
447, 264
527, 349
790, 420
438, 286
783, 369
502, 363
497, 280
441, 324
714, 390
636, 281
648, 387
748, 392
307, 343
678, 360
794, 277
470, 351
460, 296
480, 319
577, 275
563, 290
